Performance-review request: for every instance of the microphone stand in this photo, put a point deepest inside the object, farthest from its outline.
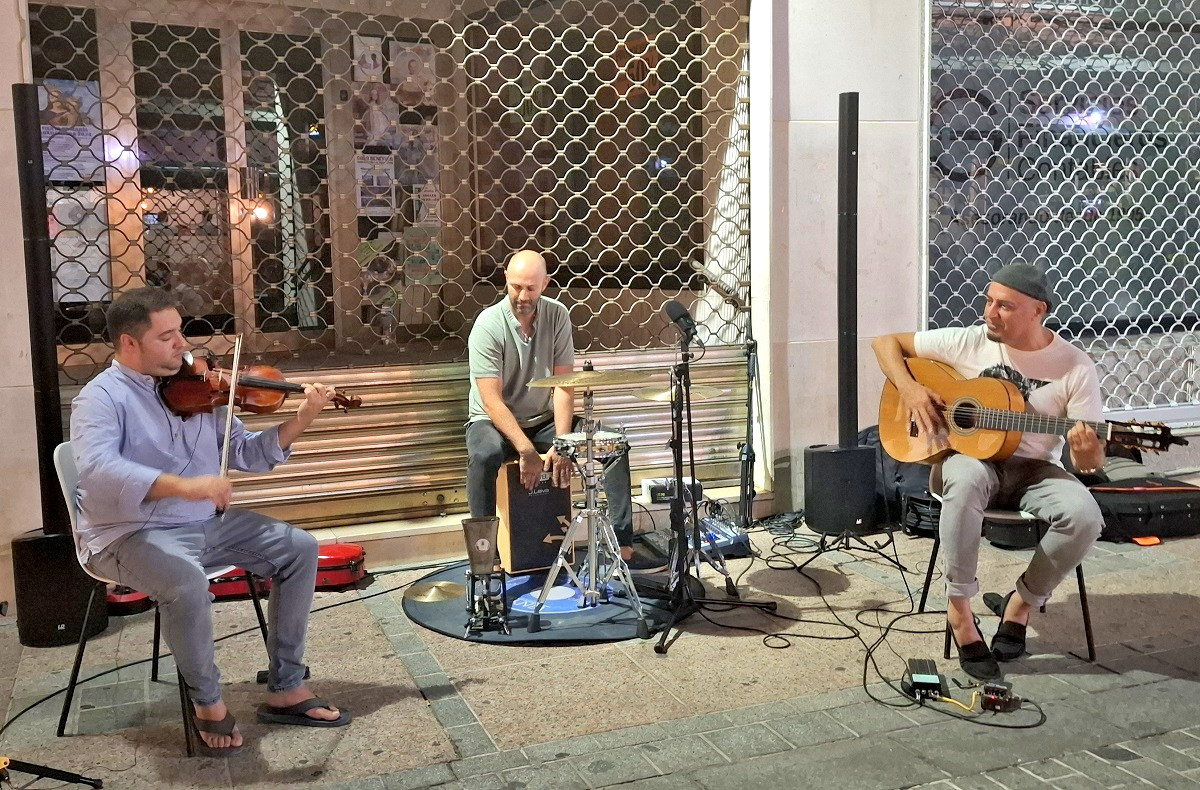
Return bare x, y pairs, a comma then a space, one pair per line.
43, 772
683, 602
746, 492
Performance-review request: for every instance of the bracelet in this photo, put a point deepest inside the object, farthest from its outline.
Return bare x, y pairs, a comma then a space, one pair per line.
1086, 471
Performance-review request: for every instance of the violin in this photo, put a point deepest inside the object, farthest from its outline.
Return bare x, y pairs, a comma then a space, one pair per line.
202, 385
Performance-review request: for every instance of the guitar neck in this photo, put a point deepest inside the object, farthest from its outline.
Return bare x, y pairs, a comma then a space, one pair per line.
1025, 422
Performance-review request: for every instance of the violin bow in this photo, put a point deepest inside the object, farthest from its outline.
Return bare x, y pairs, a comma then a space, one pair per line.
237, 356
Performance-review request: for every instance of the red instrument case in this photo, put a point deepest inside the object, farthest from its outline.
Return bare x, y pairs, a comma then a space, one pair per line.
340, 565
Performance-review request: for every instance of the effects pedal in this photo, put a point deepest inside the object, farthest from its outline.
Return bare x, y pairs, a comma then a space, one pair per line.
923, 681
997, 696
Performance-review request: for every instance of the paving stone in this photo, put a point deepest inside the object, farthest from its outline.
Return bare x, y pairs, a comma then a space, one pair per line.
1154, 749
767, 711
808, 729
631, 736
1049, 770
1158, 775
869, 718
453, 712
750, 740
870, 763
1016, 779
557, 750
405, 644
395, 626
1076, 782
673, 782
1041, 687
833, 699
436, 686
705, 723
682, 754
1102, 771
369, 783
963, 750
1146, 710
560, 775
980, 782
618, 766
471, 740
422, 663
417, 778
488, 763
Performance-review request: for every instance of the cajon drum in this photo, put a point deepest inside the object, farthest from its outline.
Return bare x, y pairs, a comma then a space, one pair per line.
532, 523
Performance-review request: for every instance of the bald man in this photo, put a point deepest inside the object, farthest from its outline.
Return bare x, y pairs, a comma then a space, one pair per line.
523, 337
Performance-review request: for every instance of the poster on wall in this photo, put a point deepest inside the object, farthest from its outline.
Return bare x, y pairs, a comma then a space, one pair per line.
79, 260
73, 148
412, 72
376, 184
375, 115
368, 59
417, 153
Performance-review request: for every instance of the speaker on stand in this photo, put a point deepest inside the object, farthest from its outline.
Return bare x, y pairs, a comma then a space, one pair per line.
839, 480
52, 591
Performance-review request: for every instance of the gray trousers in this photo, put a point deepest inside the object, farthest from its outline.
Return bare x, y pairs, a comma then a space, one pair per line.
168, 563
487, 450
970, 486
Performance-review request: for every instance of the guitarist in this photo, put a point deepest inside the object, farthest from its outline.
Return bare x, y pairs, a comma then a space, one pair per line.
1056, 379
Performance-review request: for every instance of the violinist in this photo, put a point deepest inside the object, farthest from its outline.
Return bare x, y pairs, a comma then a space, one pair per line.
150, 491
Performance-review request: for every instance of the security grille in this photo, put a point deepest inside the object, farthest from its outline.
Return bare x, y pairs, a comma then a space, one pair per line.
1067, 135
342, 186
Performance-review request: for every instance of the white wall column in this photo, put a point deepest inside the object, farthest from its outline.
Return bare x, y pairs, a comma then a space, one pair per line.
818, 49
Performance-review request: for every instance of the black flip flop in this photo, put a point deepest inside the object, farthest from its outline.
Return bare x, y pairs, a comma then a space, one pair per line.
225, 726
1009, 642
295, 714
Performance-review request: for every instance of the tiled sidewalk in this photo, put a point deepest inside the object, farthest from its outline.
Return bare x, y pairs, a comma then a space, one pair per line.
721, 710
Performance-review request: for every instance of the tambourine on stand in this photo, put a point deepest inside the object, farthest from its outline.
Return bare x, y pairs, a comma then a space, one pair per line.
604, 562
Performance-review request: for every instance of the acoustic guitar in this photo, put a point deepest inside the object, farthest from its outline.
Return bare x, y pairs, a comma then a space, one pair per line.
986, 418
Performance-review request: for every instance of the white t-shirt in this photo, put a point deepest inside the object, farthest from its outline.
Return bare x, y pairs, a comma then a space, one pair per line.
1057, 381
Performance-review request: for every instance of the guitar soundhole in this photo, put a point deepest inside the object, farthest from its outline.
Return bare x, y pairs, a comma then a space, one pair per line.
962, 416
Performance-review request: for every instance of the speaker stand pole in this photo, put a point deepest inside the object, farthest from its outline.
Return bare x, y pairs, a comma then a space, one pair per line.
746, 492
683, 603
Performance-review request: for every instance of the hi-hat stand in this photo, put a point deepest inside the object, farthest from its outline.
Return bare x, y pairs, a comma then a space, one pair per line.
44, 772
683, 559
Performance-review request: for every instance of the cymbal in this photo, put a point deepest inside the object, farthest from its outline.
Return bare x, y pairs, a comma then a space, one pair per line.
436, 591
594, 378
663, 396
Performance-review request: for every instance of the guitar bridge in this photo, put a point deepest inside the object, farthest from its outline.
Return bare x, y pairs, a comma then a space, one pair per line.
912, 428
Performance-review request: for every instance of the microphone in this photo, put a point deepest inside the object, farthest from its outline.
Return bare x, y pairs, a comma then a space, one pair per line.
681, 318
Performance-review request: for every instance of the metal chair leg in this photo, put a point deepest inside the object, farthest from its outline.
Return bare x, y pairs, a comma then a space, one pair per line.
185, 706
157, 642
1087, 614
258, 612
66, 708
937, 542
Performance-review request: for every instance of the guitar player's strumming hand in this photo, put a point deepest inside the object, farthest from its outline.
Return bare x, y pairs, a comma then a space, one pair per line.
925, 407
1087, 451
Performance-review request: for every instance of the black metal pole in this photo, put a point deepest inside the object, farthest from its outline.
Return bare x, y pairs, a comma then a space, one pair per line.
847, 259
746, 492
39, 286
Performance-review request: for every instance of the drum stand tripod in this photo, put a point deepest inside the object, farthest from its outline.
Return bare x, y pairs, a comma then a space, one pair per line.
601, 539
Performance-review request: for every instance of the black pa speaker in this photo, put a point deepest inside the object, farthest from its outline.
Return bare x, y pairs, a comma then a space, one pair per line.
52, 591
839, 489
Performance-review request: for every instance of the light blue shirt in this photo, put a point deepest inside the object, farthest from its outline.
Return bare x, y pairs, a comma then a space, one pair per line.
123, 437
